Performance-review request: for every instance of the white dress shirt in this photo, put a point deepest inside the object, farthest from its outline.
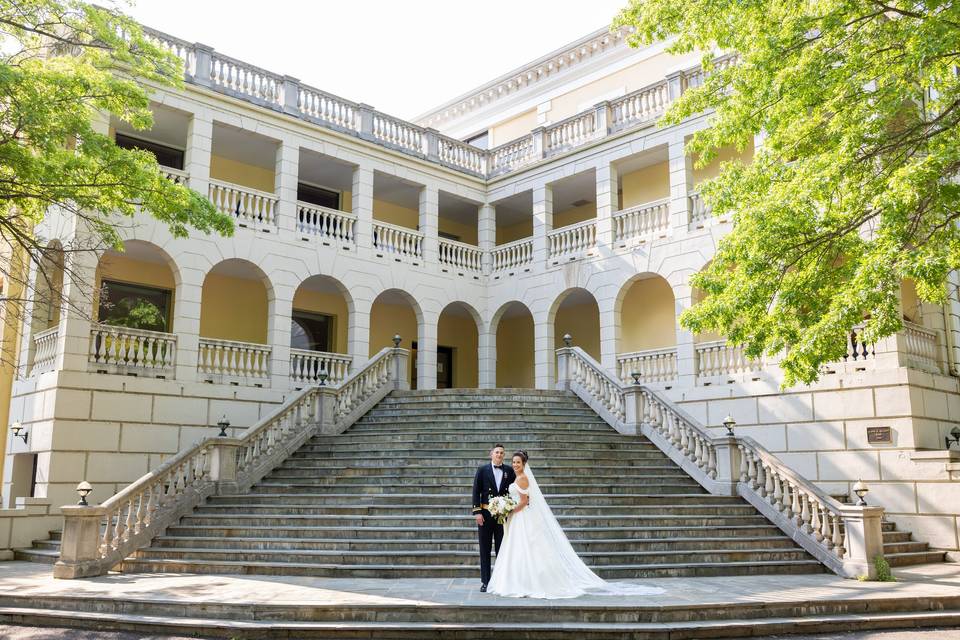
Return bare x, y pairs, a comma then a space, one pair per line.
497, 475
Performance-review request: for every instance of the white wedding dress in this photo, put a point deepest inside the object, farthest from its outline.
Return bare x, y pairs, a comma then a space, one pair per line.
537, 561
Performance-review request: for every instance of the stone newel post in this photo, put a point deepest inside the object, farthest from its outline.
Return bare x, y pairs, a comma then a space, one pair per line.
399, 374
863, 541
80, 546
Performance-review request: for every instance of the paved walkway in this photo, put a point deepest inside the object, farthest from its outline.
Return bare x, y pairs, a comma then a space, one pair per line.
29, 579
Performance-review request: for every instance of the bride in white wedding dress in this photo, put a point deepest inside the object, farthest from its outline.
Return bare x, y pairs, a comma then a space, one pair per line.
536, 560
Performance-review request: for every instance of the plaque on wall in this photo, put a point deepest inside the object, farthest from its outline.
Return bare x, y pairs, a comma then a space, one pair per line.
879, 435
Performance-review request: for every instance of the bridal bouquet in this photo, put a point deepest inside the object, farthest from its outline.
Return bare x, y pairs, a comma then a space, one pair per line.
500, 507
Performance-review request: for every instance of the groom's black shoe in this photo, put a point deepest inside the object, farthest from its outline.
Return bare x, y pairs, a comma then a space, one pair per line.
483, 588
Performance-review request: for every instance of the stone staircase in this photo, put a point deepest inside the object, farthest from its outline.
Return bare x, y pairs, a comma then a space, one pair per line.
390, 499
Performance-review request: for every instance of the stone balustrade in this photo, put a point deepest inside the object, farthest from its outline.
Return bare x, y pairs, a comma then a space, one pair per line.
641, 221
116, 349
249, 207
401, 242
920, 348
230, 360
175, 176
512, 255
569, 133
572, 241
306, 366
460, 255
641, 106
653, 365
394, 132
717, 358
699, 211
96, 538
44, 350
245, 80
327, 109
327, 224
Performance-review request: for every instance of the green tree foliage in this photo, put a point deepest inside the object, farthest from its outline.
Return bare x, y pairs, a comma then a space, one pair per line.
854, 186
63, 65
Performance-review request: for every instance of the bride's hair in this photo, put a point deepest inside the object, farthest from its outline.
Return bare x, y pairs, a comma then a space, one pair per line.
523, 455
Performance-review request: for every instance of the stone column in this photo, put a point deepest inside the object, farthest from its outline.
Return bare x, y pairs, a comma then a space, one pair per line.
362, 204
681, 184
429, 224
77, 312
544, 355
358, 332
196, 160
487, 357
286, 178
542, 222
608, 183
487, 235
186, 321
686, 349
427, 351
278, 336
609, 327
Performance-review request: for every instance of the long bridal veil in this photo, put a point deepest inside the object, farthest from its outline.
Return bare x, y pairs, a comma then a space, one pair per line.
580, 575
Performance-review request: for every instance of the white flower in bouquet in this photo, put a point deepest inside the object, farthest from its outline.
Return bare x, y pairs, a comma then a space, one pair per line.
500, 507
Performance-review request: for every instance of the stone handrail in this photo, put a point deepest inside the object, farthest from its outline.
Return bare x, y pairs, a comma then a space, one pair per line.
248, 206
641, 220
461, 155
920, 347
845, 538
512, 254
653, 365
243, 79
391, 238
95, 538
717, 358
397, 133
570, 132
44, 350
234, 359
460, 255
639, 106
324, 222
699, 211
325, 108
507, 157
131, 349
574, 239
306, 366
176, 176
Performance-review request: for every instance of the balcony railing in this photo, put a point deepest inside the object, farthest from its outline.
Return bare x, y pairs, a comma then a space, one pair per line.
44, 351
715, 359
329, 224
398, 241
460, 255
512, 255
635, 223
653, 365
249, 206
572, 241
699, 211
208, 68
232, 361
307, 366
126, 350
920, 347
176, 176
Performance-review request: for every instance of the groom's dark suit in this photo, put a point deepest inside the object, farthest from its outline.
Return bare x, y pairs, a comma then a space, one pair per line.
485, 487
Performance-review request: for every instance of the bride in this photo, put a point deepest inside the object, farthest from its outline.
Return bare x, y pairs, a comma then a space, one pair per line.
536, 559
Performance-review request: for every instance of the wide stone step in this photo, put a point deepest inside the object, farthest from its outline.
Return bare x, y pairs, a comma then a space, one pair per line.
542, 454
456, 411
652, 484
480, 443
911, 558
300, 467
465, 532
47, 555
419, 511
429, 521
467, 461
456, 499
890, 548
374, 545
540, 448
457, 571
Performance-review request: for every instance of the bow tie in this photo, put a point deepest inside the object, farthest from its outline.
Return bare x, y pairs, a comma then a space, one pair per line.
498, 466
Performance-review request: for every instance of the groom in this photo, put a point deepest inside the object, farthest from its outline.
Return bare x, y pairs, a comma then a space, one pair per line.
490, 480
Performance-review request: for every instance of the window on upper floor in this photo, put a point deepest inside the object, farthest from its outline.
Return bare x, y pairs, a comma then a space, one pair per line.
318, 195
134, 306
166, 156
311, 331
480, 141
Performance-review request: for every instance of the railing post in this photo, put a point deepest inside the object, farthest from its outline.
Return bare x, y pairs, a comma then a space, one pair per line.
603, 117
291, 95
399, 371
632, 409
728, 464
365, 124
863, 540
431, 144
563, 368
204, 55
223, 464
674, 85
539, 136
326, 410
80, 542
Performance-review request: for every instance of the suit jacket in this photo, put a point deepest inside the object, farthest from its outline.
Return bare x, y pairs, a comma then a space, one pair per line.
485, 485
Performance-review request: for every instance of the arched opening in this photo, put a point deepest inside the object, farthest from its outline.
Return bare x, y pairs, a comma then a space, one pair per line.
47, 301
515, 346
395, 312
647, 338
576, 313
133, 333
234, 324
458, 334
319, 325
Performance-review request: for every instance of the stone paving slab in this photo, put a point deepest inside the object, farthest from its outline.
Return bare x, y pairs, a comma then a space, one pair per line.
29, 579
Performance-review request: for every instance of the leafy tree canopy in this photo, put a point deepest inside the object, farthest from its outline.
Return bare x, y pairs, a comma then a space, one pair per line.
853, 188
63, 65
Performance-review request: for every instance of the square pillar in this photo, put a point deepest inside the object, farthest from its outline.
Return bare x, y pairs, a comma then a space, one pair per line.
362, 204
427, 353
73, 338
286, 177
186, 322
686, 349
542, 223
196, 161
681, 184
358, 332
487, 235
609, 326
278, 337
608, 183
544, 354
487, 358
429, 224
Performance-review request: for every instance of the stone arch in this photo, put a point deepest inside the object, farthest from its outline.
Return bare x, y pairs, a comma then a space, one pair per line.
396, 312
321, 319
48, 289
236, 302
458, 345
136, 287
645, 315
575, 312
513, 328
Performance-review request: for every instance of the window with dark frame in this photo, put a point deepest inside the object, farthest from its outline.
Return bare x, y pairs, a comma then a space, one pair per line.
311, 331
166, 156
135, 306
318, 195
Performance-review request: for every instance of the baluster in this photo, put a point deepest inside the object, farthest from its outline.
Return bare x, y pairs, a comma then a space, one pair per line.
804, 521
815, 523
837, 536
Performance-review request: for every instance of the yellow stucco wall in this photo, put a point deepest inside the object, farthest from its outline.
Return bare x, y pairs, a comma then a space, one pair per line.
582, 322
647, 317
467, 233
243, 174
645, 185
515, 231
515, 364
331, 304
391, 213
574, 215
725, 154
123, 269
10, 326
389, 319
513, 128
233, 309
460, 333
